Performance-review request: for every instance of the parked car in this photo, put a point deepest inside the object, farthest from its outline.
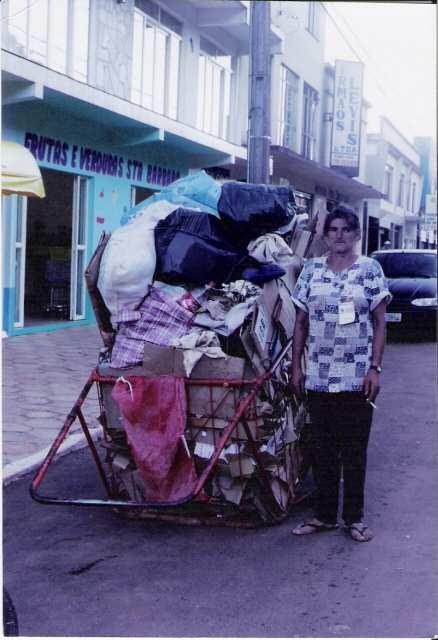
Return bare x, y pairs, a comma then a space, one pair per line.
412, 280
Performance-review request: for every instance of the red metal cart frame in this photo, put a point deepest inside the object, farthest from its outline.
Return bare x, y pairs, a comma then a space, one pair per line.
163, 511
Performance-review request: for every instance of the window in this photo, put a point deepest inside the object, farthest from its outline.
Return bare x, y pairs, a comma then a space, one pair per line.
288, 108
401, 191
408, 195
308, 141
214, 89
155, 58
313, 19
53, 33
387, 182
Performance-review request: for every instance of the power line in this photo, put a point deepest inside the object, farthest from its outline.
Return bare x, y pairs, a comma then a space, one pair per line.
369, 67
338, 28
20, 12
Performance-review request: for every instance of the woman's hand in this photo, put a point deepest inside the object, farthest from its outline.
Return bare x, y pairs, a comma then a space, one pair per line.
371, 385
297, 382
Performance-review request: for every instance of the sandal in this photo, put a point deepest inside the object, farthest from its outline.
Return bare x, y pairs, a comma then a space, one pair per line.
360, 532
314, 526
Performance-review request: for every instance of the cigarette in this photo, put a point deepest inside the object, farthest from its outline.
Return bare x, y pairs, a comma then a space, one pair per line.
372, 404
185, 445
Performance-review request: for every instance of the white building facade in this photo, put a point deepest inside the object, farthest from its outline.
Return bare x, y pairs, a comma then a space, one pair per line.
393, 167
426, 147
118, 98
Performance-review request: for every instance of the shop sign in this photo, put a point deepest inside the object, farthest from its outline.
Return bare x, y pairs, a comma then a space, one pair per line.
431, 205
347, 116
85, 159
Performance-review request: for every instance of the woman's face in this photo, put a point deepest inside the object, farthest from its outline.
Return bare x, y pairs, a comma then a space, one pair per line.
340, 237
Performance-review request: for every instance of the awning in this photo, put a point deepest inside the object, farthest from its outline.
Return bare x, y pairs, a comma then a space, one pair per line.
20, 172
315, 177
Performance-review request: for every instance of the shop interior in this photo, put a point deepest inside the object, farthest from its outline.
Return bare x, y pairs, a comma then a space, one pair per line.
48, 251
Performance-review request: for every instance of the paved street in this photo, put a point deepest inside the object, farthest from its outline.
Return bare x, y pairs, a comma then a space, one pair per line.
86, 572
42, 377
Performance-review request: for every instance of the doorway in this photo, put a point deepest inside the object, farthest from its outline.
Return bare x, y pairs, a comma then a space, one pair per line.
53, 261
138, 194
373, 234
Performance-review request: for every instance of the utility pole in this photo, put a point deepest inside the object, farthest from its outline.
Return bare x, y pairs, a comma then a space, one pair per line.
259, 134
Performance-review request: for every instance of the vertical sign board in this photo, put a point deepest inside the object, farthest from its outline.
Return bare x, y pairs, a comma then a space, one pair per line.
347, 117
430, 212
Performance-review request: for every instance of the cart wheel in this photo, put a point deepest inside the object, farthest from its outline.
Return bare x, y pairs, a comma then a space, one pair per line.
10, 622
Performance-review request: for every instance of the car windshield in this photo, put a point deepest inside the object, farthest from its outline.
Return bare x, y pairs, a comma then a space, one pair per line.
408, 265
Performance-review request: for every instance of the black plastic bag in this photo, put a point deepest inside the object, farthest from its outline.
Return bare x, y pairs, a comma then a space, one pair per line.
250, 210
192, 248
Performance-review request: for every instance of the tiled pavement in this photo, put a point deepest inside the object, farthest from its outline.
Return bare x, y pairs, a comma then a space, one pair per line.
43, 375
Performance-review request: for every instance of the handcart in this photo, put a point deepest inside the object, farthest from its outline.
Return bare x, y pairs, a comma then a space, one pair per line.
272, 487
256, 484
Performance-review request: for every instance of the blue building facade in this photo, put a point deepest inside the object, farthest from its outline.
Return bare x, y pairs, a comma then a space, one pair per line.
110, 97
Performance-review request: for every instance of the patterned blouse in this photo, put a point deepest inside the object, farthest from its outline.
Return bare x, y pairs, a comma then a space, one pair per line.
339, 354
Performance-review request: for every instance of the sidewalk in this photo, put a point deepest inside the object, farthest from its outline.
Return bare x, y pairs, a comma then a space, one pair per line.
43, 375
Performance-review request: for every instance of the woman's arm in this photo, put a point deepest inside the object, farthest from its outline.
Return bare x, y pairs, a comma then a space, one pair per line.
372, 379
301, 331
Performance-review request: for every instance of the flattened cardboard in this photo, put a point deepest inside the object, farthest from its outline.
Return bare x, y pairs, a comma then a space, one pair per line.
300, 242
216, 426
241, 466
159, 360
318, 247
292, 268
231, 488
279, 305
258, 364
262, 328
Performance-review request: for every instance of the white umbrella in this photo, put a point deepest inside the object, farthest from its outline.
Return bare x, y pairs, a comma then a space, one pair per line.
20, 172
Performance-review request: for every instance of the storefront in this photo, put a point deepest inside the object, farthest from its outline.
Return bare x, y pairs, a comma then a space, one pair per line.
47, 242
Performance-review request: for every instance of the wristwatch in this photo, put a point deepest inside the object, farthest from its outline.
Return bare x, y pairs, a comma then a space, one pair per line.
375, 367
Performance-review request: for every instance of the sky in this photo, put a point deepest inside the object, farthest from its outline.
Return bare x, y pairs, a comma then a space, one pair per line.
397, 43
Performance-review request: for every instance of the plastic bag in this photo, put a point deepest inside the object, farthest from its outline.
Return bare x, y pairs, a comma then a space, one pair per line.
128, 262
250, 210
197, 191
192, 247
154, 416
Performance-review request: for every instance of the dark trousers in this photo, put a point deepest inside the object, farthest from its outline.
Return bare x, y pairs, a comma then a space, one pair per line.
340, 429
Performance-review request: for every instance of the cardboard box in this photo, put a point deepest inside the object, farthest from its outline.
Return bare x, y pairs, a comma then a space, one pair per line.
216, 401
159, 360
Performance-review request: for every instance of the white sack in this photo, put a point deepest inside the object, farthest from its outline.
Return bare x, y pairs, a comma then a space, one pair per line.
269, 248
128, 262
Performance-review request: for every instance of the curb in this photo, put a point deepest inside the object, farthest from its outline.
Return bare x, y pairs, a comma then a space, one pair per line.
15, 470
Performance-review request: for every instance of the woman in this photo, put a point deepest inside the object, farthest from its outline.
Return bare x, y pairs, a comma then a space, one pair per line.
341, 301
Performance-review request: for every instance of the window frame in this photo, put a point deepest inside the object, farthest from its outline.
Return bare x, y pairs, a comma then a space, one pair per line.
388, 172
170, 102
401, 190
294, 85
309, 117
312, 19
208, 63
414, 188
68, 67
